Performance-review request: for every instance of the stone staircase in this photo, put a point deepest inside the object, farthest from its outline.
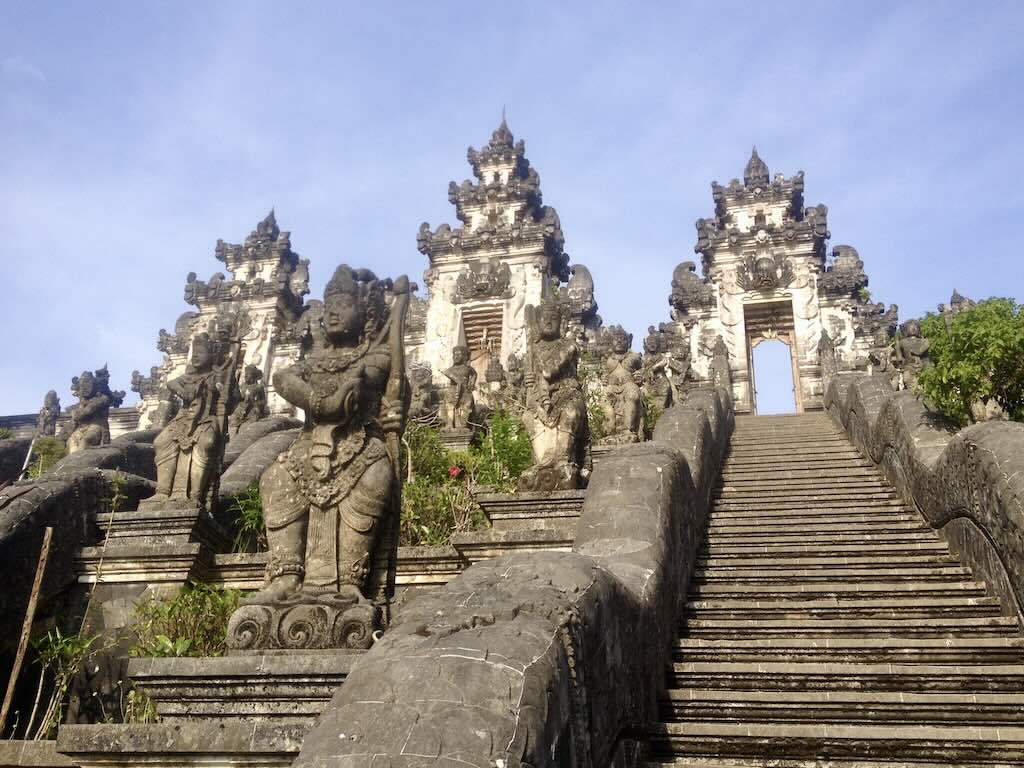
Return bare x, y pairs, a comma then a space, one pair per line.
828, 625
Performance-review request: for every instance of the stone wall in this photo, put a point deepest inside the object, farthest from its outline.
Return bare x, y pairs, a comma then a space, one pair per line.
969, 484
548, 657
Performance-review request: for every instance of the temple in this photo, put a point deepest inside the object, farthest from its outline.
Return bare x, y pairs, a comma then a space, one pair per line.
766, 275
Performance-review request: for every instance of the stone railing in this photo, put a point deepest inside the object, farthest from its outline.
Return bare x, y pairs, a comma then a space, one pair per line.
544, 658
968, 484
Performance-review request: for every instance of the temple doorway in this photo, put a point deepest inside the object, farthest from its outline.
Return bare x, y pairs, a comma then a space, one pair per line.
774, 376
771, 378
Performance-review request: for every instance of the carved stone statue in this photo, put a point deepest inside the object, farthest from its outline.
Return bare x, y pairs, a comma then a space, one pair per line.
911, 353
459, 402
88, 424
827, 357
46, 422
655, 373
331, 500
881, 361
623, 402
556, 415
719, 371
252, 404
189, 449
688, 291
423, 405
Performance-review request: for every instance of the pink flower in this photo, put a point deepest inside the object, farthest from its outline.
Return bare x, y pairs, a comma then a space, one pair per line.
454, 471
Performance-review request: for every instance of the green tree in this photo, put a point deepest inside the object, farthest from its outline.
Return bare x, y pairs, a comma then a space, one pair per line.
978, 357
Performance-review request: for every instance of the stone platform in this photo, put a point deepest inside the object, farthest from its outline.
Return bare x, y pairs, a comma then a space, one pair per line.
456, 439
282, 687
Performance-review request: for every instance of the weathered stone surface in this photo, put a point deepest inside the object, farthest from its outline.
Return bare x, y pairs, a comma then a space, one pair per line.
12, 458
67, 502
968, 484
246, 468
252, 433
283, 687
129, 457
31, 754
530, 658
169, 745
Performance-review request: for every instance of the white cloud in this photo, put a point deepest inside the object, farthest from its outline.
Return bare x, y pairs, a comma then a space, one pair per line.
16, 66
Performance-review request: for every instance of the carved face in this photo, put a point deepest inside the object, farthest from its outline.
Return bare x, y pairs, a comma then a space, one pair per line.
460, 355
549, 323
620, 343
764, 272
86, 385
343, 318
202, 356
252, 373
912, 329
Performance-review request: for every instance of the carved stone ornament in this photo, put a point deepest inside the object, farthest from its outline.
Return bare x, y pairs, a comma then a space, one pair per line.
688, 291
556, 414
88, 424
46, 421
331, 501
764, 272
190, 448
622, 399
252, 400
845, 276
484, 279
756, 173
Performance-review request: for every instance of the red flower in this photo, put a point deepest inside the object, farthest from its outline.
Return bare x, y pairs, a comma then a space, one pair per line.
454, 471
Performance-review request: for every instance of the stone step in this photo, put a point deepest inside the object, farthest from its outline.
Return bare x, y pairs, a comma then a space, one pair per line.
812, 516
775, 464
805, 497
754, 513
724, 705
840, 589
796, 455
774, 486
931, 626
899, 744
835, 607
721, 532
902, 545
805, 561
960, 651
801, 676
770, 505
757, 574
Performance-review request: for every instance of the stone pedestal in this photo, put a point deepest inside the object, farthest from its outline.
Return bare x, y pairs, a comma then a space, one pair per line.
164, 522
282, 687
309, 622
456, 439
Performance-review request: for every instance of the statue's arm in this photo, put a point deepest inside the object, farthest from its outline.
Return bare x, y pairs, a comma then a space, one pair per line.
293, 387
92, 405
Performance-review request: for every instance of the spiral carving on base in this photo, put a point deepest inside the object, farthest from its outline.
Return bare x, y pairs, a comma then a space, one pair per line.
311, 624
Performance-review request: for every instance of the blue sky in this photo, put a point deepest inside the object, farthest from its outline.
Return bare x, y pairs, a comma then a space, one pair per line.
135, 134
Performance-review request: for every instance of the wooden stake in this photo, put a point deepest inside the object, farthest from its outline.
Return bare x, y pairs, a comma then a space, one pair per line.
26, 628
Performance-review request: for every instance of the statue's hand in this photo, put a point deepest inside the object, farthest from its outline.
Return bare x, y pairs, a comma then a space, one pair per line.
391, 416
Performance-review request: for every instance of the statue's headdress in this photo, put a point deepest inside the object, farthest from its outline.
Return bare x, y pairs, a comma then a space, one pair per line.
364, 287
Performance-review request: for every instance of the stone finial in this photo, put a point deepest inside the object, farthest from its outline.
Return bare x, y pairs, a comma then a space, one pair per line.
756, 172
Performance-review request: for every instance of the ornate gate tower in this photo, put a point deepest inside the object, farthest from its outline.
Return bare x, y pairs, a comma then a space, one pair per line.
766, 276
506, 254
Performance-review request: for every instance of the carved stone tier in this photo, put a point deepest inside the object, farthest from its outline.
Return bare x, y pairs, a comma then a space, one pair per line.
164, 522
236, 743
482, 545
506, 510
456, 439
312, 622
284, 687
140, 564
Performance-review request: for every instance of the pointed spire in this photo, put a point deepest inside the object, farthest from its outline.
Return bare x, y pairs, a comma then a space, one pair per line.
460, 340
756, 172
502, 137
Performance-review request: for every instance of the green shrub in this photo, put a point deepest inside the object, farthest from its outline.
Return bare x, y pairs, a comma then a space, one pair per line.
250, 531
503, 453
193, 623
46, 452
6, 433
978, 358
59, 657
651, 413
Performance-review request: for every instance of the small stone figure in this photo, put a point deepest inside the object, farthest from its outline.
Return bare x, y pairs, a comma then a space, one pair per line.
459, 402
331, 500
881, 361
46, 422
911, 353
88, 424
623, 406
720, 371
189, 449
252, 405
827, 357
656, 384
556, 413
423, 405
